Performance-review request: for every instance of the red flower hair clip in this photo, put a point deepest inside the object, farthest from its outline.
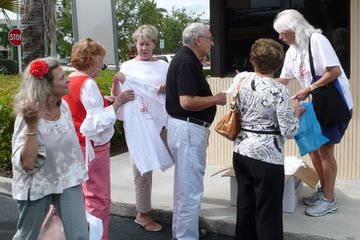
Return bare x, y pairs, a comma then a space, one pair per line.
39, 68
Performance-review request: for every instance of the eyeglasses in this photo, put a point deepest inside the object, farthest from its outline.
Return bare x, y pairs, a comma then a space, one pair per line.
210, 38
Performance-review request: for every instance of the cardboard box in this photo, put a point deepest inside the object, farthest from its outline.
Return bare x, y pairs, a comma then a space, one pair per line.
292, 186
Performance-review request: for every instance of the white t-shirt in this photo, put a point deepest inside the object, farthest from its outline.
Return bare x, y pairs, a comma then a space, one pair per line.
145, 116
149, 72
297, 64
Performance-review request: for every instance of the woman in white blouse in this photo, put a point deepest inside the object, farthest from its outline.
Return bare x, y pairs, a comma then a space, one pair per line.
48, 166
266, 121
94, 119
146, 75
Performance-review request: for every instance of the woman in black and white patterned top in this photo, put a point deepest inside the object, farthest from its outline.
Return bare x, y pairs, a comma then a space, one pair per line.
266, 120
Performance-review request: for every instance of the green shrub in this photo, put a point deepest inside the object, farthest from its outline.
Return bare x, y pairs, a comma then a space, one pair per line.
6, 130
8, 87
8, 66
207, 72
104, 81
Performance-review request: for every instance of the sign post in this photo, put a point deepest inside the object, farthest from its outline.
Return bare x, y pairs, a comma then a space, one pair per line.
14, 36
162, 45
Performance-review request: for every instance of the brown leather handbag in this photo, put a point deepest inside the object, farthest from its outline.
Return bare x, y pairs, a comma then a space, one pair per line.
229, 125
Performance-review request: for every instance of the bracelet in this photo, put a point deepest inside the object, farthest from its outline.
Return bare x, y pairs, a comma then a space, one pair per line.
31, 133
312, 87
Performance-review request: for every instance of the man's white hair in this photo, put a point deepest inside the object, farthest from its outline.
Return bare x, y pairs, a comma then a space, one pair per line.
193, 31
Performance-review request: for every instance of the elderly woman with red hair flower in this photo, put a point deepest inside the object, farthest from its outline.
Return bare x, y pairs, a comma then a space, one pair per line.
48, 166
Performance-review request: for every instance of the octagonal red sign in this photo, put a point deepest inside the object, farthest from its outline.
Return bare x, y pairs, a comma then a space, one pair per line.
14, 36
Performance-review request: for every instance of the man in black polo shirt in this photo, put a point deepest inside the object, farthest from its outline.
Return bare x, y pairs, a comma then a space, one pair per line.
192, 108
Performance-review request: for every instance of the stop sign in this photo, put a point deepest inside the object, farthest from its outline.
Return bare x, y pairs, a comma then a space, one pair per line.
14, 36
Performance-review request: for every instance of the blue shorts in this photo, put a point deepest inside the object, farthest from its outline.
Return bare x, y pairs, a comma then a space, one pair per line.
335, 132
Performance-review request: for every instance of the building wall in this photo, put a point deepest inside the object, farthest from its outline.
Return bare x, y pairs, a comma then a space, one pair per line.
347, 153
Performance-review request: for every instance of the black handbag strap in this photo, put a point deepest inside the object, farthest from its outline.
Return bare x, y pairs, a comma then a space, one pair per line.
312, 69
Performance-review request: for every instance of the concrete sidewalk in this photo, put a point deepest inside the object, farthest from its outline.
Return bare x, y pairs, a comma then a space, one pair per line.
216, 213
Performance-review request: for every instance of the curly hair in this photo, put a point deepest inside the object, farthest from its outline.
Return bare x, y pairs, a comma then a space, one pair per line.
266, 55
84, 53
32, 87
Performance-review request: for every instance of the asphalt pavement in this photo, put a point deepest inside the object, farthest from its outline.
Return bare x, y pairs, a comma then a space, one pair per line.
217, 215
120, 228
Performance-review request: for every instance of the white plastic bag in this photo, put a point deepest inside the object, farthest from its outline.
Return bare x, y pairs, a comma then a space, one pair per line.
95, 227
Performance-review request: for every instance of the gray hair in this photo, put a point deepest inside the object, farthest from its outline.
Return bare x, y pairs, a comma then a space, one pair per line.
294, 21
193, 31
37, 89
147, 31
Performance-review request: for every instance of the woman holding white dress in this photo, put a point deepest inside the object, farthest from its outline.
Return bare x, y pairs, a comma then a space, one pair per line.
146, 75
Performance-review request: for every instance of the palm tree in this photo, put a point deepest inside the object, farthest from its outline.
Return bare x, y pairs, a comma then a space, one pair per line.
38, 24
9, 5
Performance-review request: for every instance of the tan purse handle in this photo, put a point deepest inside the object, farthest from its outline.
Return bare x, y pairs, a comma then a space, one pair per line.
235, 94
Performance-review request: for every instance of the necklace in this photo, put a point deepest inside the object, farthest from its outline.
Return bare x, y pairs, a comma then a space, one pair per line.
302, 66
52, 115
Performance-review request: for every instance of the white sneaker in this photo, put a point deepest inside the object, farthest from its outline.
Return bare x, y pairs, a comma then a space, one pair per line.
315, 198
323, 207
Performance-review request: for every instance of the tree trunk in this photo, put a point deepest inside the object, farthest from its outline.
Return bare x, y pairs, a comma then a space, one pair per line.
33, 31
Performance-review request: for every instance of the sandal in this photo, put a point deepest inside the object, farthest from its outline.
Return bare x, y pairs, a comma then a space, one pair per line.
150, 225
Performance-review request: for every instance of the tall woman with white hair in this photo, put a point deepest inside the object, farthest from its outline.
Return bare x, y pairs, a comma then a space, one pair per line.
301, 36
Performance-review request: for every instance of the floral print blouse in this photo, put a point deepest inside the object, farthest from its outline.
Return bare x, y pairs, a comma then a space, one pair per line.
60, 164
266, 119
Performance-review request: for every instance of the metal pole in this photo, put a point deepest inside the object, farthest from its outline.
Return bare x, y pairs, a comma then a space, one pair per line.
19, 47
115, 34
74, 21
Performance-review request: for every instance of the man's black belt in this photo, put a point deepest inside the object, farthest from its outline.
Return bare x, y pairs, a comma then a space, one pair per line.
193, 120
275, 132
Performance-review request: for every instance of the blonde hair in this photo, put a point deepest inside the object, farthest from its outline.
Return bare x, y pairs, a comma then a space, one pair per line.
37, 89
266, 55
293, 21
146, 31
84, 53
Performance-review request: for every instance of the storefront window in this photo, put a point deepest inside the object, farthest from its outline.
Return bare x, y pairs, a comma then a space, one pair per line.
333, 18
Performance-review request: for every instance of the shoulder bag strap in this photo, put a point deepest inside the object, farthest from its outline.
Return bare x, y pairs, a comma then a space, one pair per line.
236, 93
312, 69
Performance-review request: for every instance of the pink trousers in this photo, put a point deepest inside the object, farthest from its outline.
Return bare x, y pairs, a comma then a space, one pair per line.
96, 189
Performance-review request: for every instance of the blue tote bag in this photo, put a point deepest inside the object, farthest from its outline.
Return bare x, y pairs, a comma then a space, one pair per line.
309, 137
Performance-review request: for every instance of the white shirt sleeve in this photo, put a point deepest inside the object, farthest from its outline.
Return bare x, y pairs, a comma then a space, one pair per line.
98, 124
287, 70
323, 54
236, 79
